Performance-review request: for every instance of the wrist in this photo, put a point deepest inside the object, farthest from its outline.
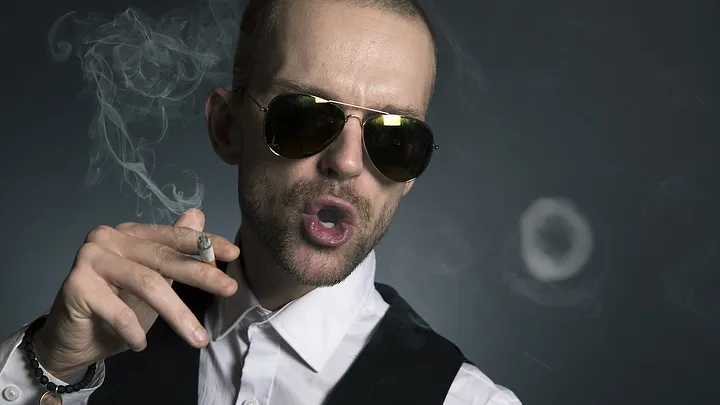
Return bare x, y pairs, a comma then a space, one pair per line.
48, 360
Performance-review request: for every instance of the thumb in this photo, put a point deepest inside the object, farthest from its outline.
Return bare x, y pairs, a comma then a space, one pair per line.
192, 218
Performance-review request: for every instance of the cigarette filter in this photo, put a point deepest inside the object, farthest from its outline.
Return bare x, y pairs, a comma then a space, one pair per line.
207, 253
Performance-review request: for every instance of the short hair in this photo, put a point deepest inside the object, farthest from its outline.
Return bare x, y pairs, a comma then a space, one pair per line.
261, 18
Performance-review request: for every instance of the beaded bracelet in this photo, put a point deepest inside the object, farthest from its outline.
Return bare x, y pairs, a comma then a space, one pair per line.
53, 389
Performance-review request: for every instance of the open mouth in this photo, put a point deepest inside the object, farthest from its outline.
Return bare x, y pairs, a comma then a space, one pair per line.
330, 216
332, 211
329, 221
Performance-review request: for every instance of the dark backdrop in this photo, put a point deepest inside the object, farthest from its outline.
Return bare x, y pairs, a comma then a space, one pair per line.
609, 105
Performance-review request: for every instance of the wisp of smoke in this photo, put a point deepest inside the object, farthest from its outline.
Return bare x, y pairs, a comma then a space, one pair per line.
144, 74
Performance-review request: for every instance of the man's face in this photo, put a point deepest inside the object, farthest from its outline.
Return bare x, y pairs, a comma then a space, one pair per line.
361, 56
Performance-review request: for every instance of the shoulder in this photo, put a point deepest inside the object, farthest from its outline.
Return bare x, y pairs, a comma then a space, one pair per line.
472, 387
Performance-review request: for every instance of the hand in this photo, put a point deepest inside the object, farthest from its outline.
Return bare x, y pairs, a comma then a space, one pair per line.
120, 281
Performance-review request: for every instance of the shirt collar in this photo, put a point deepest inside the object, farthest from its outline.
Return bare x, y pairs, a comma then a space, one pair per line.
228, 312
314, 324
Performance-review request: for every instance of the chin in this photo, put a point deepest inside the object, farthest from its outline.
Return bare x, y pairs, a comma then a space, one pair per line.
320, 266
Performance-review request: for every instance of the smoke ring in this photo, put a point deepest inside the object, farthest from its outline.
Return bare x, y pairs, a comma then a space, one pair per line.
538, 262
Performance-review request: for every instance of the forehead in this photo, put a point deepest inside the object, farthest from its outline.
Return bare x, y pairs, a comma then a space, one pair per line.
358, 55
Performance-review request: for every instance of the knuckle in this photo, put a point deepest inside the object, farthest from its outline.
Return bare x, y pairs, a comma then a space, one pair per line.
185, 317
150, 282
163, 255
177, 236
201, 271
74, 281
99, 234
203, 275
124, 319
126, 227
88, 252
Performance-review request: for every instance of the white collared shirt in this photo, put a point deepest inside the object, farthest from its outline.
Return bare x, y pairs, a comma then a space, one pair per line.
292, 356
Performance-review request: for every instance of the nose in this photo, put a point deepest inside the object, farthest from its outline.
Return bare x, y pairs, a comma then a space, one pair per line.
343, 159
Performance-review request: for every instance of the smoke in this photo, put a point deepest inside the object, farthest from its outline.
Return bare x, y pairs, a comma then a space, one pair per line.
467, 69
144, 75
556, 241
440, 233
555, 244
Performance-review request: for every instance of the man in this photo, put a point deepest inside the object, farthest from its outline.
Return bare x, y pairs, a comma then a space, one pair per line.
324, 124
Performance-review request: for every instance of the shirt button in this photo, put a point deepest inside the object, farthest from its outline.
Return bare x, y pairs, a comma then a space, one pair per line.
250, 401
11, 393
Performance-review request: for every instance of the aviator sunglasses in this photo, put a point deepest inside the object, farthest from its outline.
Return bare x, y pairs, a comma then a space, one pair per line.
301, 125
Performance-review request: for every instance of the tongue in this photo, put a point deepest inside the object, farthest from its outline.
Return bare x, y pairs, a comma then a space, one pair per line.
321, 234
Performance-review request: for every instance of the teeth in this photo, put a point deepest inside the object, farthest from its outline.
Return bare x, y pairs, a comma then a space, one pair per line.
328, 225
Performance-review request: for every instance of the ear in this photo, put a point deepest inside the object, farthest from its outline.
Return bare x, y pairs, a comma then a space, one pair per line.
219, 119
407, 187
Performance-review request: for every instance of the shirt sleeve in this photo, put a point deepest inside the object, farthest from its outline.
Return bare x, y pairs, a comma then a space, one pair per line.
19, 387
472, 387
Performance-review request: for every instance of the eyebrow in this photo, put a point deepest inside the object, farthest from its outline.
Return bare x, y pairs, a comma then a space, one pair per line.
299, 87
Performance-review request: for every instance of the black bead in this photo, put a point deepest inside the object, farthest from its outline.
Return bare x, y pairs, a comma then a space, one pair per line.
27, 345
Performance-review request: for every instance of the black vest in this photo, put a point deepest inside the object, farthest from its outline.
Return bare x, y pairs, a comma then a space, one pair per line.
405, 362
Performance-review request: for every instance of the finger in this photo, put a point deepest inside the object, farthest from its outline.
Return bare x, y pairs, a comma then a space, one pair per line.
192, 218
103, 303
168, 262
181, 239
174, 265
152, 289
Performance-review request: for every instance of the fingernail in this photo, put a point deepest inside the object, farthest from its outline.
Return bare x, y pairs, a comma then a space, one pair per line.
200, 335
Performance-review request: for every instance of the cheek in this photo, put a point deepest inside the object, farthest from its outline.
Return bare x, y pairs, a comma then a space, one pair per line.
388, 205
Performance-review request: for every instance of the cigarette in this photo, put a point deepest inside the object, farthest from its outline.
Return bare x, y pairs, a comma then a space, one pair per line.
207, 253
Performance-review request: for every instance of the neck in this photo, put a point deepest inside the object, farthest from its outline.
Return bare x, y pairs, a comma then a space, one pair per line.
269, 283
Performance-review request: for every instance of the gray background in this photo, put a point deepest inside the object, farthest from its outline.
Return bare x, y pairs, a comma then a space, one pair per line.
610, 104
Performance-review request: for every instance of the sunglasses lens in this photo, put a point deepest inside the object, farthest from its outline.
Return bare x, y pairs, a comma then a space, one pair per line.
298, 126
399, 147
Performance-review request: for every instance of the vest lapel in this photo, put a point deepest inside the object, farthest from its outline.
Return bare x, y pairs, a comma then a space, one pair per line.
405, 362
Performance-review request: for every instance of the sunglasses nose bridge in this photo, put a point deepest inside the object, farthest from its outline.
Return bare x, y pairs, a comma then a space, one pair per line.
357, 117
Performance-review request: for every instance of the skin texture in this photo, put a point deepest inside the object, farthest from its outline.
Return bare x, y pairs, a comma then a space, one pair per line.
361, 56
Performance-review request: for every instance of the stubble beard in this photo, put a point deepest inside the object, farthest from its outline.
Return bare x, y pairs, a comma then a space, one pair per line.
273, 215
